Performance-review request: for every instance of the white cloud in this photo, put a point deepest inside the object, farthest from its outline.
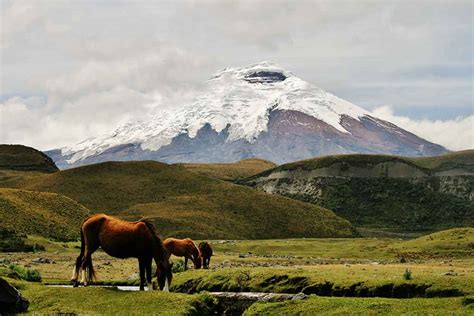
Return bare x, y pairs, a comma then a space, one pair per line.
97, 64
455, 134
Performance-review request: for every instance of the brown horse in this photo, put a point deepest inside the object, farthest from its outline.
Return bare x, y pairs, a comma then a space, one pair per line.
205, 252
123, 239
183, 248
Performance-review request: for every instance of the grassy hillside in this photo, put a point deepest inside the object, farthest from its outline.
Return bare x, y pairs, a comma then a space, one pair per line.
188, 204
46, 214
462, 159
456, 240
231, 171
19, 157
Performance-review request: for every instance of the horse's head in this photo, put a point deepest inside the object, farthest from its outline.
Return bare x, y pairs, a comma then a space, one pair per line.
164, 275
197, 262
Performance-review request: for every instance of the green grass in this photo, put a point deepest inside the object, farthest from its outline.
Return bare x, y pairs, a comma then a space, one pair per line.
100, 301
231, 171
19, 157
333, 280
186, 204
441, 265
47, 214
366, 306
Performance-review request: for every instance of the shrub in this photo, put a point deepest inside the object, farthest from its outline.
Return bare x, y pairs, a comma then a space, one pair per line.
178, 266
30, 275
11, 241
407, 275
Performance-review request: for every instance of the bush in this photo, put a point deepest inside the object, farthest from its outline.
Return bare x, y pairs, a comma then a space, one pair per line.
407, 275
11, 241
30, 275
178, 266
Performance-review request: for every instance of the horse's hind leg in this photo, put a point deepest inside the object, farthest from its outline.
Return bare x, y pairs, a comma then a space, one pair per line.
88, 273
148, 273
141, 265
77, 265
75, 272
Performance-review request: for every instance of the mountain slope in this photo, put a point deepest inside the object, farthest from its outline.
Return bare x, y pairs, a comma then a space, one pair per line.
45, 214
187, 204
260, 110
231, 171
381, 191
23, 158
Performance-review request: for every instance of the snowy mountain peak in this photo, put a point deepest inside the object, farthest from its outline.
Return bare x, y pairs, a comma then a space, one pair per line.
263, 72
237, 104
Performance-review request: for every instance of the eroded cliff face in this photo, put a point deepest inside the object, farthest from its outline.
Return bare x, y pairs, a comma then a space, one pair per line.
311, 183
390, 194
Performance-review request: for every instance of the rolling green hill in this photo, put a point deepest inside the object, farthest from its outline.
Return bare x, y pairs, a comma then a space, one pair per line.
376, 191
184, 203
23, 158
231, 171
38, 213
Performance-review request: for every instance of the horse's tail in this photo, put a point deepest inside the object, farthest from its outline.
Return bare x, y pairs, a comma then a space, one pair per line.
162, 252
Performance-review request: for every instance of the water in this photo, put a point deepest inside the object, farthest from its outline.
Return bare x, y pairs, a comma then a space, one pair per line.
119, 287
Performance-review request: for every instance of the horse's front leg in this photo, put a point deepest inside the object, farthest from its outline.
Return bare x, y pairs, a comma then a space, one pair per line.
141, 266
185, 263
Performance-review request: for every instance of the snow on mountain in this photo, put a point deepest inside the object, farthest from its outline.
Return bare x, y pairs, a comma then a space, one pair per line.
240, 98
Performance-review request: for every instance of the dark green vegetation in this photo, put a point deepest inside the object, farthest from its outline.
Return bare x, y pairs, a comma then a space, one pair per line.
367, 306
17, 272
11, 241
23, 158
40, 213
231, 171
395, 203
383, 192
187, 204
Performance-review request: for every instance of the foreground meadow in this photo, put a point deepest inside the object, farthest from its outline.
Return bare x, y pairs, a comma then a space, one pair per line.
340, 276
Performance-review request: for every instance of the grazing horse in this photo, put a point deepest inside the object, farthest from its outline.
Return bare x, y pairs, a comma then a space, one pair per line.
123, 239
183, 248
205, 251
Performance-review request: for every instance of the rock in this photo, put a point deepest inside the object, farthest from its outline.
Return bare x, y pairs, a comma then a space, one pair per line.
4, 261
449, 273
241, 255
11, 300
299, 297
41, 260
403, 260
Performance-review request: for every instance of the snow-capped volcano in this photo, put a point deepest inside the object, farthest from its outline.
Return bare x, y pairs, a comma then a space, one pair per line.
259, 110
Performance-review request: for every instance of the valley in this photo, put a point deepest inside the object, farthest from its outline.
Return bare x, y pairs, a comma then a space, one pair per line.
394, 234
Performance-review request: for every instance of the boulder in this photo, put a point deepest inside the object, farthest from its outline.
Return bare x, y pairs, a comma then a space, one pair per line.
11, 300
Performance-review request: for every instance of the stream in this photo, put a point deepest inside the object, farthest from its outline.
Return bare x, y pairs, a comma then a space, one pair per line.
227, 303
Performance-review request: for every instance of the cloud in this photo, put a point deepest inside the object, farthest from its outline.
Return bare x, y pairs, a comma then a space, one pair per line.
97, 64
455, 134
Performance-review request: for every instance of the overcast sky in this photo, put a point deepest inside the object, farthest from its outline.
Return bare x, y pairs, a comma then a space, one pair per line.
75, 69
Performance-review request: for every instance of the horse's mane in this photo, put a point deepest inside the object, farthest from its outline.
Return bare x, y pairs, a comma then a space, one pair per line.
156, 236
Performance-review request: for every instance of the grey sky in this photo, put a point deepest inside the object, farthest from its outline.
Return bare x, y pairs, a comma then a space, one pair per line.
77, 69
